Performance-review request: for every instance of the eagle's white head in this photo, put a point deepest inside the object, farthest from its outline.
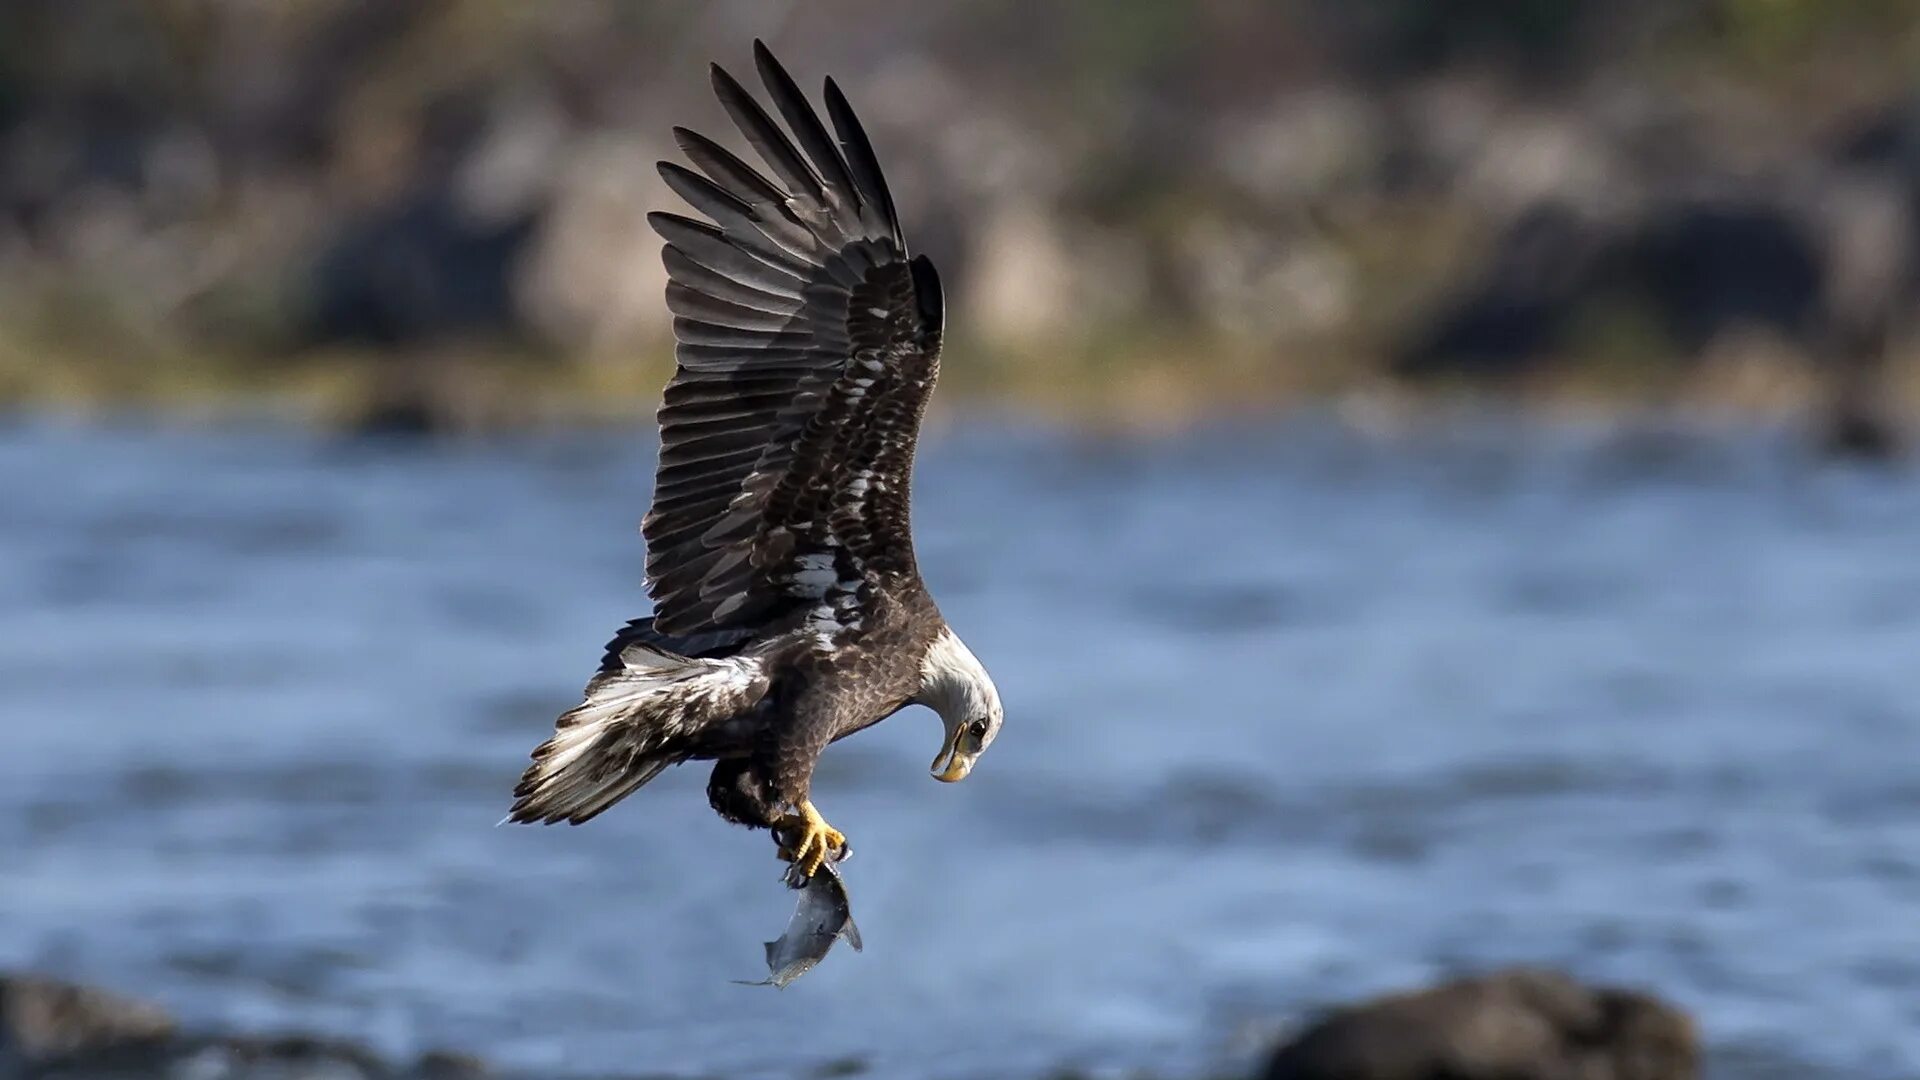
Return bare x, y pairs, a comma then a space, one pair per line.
953, 684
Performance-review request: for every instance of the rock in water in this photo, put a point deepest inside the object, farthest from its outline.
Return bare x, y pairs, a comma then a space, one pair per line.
1505, 1025
822, 917
43, 1018
52, 1029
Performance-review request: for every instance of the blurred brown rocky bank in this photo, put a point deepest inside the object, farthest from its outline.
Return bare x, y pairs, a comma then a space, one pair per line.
430, 213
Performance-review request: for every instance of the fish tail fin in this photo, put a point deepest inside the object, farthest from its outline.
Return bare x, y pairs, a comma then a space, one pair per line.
640, 715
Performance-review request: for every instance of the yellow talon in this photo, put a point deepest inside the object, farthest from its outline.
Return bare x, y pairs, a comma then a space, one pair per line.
814, 839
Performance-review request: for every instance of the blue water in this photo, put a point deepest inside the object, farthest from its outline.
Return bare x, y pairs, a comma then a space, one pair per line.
1294, 715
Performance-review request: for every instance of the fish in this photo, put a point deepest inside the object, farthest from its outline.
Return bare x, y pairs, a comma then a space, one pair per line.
821, 917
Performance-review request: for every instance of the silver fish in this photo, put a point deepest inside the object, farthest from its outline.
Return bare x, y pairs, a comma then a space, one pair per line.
822, 917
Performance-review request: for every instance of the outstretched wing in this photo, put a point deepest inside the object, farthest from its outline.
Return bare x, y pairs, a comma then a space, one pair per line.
808, 344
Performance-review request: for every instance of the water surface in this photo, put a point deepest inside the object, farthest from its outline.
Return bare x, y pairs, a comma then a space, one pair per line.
1293, 715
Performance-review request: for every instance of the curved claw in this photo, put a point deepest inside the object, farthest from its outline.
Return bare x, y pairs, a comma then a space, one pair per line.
808, 841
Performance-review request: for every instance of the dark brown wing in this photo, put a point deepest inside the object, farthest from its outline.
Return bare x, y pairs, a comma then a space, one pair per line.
808, 344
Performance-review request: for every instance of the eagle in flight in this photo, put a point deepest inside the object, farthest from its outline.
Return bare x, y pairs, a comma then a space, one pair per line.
788, 610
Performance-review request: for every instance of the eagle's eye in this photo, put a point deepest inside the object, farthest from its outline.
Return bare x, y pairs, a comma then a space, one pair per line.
977, 730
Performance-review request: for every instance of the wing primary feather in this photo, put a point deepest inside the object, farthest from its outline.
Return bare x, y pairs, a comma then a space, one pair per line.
686, 525
862, 162
682, 269
760, 130
744, 182
806, 127
739, 222
704, 410
684, 300
701, 193
708, 363
684, 463
692, 503
697, 332
711, 248
698, 424
725, 439
726, 169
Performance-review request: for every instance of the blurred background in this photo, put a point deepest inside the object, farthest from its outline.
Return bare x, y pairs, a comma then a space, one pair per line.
1426, 475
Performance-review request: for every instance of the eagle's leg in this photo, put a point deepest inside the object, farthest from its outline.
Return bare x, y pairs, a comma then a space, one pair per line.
738, 793
784, 757
812, 840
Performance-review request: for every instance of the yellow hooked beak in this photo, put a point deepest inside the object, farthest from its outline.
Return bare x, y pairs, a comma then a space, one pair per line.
952, 764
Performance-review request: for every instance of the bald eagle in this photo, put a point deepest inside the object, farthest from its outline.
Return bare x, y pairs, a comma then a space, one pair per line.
788, 610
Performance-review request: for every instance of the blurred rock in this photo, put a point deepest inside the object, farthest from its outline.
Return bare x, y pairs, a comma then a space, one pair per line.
1858, 423
44, 1018
447, 1065
1516, 1024
1516, 313
1694, 268
53, 1030
1856, 435
419, 272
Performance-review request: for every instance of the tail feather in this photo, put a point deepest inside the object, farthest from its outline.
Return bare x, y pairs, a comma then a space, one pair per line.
580, 796
636, 720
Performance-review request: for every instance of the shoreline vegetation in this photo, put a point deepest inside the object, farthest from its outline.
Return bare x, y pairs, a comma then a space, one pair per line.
1146, 388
